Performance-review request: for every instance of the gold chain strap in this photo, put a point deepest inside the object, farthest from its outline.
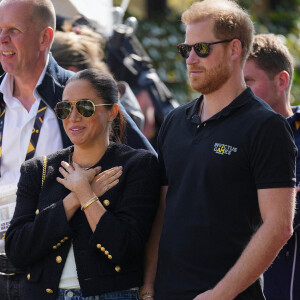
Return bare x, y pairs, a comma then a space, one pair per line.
44, 168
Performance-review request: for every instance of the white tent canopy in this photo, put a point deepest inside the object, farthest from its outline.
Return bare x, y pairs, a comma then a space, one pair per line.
100, 11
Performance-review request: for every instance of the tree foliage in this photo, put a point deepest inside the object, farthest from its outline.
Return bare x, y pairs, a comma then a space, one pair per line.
160, 38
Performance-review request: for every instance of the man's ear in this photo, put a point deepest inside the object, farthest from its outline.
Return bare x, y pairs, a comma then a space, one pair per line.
282, 80
46, 37
236, 48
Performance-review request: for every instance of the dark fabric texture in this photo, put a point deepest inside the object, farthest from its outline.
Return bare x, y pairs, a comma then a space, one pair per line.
10, 289
213, 170
123, 229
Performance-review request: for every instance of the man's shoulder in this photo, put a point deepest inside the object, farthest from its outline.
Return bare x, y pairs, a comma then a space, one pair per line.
56, 73
53, 83
258, 111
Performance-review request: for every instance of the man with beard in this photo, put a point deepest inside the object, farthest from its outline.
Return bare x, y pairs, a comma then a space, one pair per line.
225, 208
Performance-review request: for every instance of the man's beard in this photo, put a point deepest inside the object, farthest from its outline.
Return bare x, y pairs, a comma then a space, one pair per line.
213, 79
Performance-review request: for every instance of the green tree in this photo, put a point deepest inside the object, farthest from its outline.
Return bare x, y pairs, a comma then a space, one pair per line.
160, 38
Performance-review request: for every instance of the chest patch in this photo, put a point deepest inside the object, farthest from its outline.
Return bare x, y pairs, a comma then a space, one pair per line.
223, 149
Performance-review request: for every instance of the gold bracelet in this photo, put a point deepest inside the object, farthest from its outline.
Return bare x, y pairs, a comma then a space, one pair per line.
88, 203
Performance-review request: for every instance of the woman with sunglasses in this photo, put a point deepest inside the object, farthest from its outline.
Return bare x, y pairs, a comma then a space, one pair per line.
81, 233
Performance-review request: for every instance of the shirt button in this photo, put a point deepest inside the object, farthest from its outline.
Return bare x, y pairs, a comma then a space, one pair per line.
204, 124
198, 126
58, 259
70, 294
106, 202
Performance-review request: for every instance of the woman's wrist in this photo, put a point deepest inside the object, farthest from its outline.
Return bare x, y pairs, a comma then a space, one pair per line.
84, 193
89, 202
72, 200
146, 294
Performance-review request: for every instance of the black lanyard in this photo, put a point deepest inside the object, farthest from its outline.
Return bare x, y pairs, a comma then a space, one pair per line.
35, 130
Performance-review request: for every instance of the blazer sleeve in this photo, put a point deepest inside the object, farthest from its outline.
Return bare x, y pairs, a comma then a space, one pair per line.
124, 232
32, 234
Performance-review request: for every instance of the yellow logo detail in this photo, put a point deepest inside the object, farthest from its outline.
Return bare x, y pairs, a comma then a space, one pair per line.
30, 148
221, 149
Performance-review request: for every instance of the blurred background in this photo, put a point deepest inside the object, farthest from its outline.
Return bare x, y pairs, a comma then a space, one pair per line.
159, 31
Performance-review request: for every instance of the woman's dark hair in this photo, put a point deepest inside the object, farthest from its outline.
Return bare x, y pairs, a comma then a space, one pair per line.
106, 88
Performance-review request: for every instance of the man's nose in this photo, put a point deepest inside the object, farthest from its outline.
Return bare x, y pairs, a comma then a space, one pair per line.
4, 36
193, 57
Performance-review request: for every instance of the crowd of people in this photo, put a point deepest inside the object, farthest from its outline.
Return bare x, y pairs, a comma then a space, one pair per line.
98, 214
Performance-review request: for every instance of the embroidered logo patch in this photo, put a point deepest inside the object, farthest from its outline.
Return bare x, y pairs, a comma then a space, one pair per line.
224, 149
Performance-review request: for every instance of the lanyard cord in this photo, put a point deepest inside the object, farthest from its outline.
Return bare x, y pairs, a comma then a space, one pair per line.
35, 130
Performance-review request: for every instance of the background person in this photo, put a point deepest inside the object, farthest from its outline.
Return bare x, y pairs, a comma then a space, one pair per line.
216, 242
108, 234
269, 72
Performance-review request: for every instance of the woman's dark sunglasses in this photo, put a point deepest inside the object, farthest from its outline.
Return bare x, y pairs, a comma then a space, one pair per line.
201, 49
85, 108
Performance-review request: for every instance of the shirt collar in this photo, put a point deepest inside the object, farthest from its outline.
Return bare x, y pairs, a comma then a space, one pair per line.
239, 101
7, 85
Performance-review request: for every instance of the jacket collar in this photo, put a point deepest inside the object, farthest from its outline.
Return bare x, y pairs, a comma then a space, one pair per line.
53, 83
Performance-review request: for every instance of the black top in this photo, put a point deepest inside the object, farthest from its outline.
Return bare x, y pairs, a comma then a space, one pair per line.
213, 171
37, 242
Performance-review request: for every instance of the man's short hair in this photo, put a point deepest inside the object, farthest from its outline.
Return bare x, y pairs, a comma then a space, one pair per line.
43, 12
230, 21
271, 55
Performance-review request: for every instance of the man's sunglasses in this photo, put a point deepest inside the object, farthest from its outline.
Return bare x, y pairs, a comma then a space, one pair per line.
85, 108
201, 49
